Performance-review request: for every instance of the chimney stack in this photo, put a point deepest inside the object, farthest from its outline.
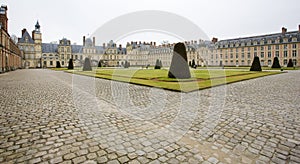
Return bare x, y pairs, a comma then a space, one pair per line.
154, 44
83, 40
94, 41
214, 40
283, 30
120, 46
299, 28
23, 31
103, 45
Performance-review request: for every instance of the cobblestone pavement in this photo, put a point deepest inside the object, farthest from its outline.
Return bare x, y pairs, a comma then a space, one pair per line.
54, 117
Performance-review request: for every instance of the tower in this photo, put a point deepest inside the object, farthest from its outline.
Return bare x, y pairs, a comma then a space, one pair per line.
37, 37
3, 17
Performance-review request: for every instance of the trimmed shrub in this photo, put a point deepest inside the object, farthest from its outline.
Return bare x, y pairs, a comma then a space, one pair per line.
87, 65
194, 64
157, 64
276, 63
71, 65
290, 63
58, 64
255, 64
127, 64
179, 66
160, 64
100, 63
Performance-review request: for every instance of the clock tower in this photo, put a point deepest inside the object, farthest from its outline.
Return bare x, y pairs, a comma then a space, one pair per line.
37, 37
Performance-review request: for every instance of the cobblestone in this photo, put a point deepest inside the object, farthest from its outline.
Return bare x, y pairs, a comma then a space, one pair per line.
51, 117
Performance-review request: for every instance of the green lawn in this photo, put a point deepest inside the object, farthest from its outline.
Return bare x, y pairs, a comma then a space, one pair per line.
201, 78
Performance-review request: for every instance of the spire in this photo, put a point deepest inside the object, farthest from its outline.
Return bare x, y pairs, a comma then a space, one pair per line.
37, 26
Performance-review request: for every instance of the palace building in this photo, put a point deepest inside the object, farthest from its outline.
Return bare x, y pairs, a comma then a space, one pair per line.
241, 51
231, 52
10, 54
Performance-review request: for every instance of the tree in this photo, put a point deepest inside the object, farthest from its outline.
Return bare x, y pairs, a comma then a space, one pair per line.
290, 63
100, 63
157, 65
71, 65
58, 64
276, 63
255, 64
179, 66
87, 65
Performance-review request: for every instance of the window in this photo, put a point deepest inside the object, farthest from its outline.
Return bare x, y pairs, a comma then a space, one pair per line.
262, 62
269, 62
277, 54
294, 53
277, 47
262, 48
255, 53
285, 54
248, 55
285, 46
237, 56
294, 46
285, 62
243, 56
269, 55
231, 56
269, 47
295, 62
262, 54
51, 62
62, 62
45, 62
255, 48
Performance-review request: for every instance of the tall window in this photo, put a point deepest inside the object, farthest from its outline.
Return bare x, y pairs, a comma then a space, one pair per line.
285, 46
294, 46
51, 62
285, 54
269, 47
285, 62
262, 54
277, 54
262, 48
277, 47
294, 52
269, 55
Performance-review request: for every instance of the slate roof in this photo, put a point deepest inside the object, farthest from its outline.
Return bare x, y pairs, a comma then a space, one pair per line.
76, 48
258, 39
23, 39
49, 48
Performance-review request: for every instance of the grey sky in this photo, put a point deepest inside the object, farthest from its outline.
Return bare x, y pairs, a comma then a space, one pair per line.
217, 18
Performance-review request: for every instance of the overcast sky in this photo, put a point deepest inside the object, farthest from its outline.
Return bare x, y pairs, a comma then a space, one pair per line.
223, 19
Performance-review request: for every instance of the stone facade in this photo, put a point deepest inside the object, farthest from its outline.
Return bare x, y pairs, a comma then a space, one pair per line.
241, 51
10, 54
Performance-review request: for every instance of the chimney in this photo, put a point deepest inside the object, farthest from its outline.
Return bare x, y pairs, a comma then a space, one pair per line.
192, 42
140, 42
94, 41
33, 34
283, 30
214, 40
154, 44
83, 40
23, 31
131, 42
120, 46
103, 45
195, 41
299, 28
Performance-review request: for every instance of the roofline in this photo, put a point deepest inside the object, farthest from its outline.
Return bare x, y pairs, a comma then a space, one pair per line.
257, 36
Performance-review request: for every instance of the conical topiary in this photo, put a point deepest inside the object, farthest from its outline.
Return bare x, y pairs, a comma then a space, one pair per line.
179, 66
255, 64
290, 63
157, 64
194, 64
276, 63
87, 65
71, 65
100, 63
58, 64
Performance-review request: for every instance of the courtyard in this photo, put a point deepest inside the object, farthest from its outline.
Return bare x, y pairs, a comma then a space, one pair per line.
51, 116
